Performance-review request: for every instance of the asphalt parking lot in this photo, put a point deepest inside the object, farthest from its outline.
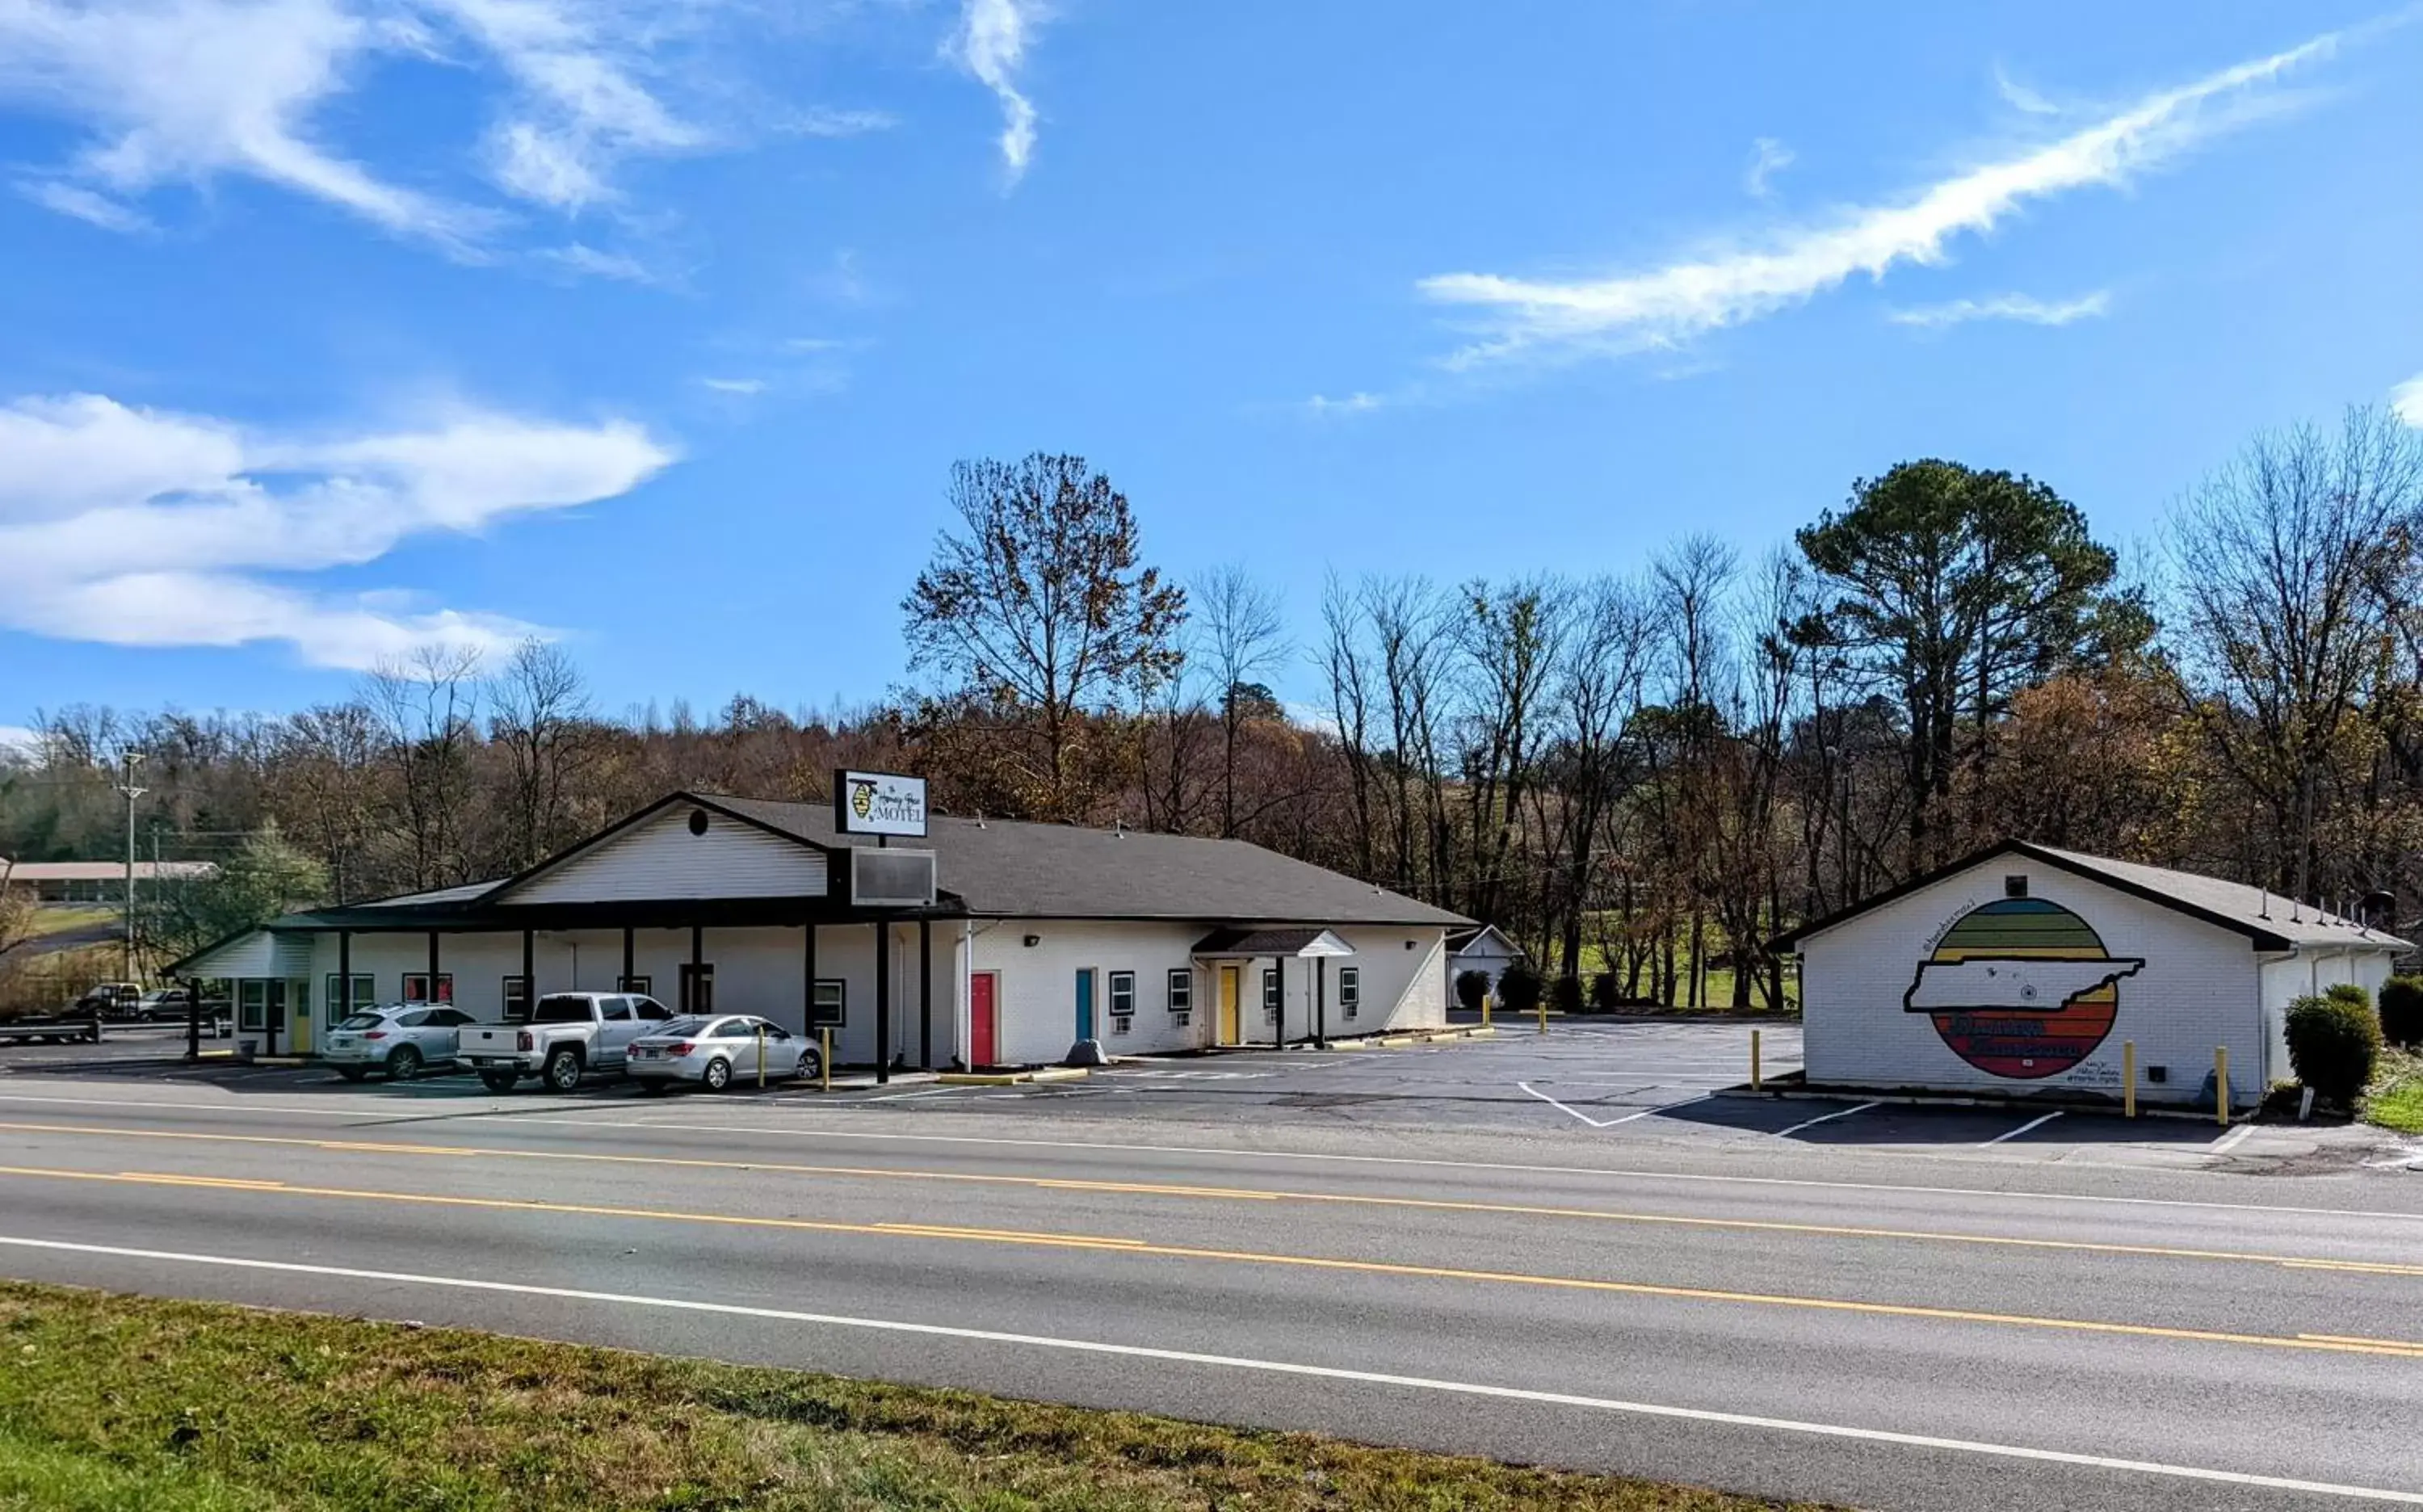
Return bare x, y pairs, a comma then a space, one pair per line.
1614, 1083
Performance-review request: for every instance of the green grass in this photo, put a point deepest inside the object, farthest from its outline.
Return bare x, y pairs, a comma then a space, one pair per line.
57, 918
117, 1403
2395, 1099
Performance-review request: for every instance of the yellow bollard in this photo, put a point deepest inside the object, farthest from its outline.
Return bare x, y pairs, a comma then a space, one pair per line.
1544, 1013
2221, 1082
2128, 1078
1487, 1000
1753, 1060
761, 1057
825, 1065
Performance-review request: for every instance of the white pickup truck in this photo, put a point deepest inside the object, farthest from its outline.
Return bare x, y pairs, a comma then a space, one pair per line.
561, 1038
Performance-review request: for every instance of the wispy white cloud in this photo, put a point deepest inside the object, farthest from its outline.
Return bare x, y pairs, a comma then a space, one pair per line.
2407, 400
1768, 159
138, 527
578, 257
2025, 309
992, 44
743, 386
182, 90
2022, 97
187, 91
1326, 408
1666, 304
84, 205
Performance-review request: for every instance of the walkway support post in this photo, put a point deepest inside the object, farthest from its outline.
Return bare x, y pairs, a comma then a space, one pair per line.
1320, 1002
883, 1001
925, 994
194, 1019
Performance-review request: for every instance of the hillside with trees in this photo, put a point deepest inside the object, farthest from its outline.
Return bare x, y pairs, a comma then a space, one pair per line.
1645, 774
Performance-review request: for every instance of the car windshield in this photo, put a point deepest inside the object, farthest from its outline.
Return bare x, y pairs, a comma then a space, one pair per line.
361, 1021
674, 1028
563, 1008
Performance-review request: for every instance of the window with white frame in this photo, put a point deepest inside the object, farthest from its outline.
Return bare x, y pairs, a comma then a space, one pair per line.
1182, 991
1270, 994
1350, 990
421, 987
365, 994
1122, 994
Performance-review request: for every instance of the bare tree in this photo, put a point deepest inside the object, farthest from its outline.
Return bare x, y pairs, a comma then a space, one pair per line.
2290, 565
1350, 696
538, 714
426, 705
1040, 606
1512, 636
1242, 640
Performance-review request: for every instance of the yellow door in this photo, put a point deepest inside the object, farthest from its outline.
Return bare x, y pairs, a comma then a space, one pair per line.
298, 1018
1228, 1005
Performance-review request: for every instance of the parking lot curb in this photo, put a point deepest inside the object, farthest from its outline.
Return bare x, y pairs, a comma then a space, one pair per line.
2145, 1111
1010, 1078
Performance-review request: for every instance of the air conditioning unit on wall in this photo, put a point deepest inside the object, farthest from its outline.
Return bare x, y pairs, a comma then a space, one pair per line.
891, 877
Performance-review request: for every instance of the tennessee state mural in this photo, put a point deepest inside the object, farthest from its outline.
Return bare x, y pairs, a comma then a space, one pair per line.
2021, 987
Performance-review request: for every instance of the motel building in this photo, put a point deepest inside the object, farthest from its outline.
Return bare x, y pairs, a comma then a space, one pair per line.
2026, 969
918, 943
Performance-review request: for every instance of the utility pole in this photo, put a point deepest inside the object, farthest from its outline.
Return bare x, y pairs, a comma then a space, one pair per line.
126, 786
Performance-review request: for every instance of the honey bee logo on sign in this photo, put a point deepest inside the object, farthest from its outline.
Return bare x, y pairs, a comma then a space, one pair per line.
862, 798
882, 804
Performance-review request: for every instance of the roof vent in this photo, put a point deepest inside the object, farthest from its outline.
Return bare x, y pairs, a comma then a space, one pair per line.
698, 822
2014, 886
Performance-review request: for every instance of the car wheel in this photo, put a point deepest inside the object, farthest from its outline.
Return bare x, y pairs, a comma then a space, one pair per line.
717, 1075
562, 1069
404, 1064
352, 1073
810, 1067
498, 1081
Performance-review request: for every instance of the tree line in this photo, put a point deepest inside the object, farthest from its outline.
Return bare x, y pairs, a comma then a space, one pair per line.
1639, 776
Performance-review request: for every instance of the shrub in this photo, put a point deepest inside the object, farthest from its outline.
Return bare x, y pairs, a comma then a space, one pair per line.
1470, 988
2334, 1043
2347, 992
2402, 1010
1566, 995
1606, 992
1518, 988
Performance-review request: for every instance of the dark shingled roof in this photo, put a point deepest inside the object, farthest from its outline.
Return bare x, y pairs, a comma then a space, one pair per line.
1008, 868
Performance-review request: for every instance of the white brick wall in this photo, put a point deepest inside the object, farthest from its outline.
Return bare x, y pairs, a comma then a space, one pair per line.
2199, 989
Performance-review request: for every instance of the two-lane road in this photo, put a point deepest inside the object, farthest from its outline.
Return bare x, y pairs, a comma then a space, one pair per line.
1873, 1340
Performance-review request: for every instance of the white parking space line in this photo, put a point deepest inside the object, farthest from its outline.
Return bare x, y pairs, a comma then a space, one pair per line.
1606, 1123
1274, 1367
2230, 1141
1824, 1117
2012, 1134
930, 1091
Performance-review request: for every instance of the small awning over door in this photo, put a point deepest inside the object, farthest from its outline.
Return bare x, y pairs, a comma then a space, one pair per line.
1246, 944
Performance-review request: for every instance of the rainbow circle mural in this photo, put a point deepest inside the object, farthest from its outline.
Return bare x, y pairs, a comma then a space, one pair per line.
2020, 988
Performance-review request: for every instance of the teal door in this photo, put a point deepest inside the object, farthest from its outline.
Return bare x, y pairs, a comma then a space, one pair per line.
1085, 1003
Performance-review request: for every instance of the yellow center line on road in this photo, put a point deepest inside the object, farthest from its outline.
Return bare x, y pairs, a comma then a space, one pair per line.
1104, 1244
1836, 1230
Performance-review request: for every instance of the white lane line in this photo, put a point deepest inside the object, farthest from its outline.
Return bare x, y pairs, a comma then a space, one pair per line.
1823, 1118
2032, 1124
1097, 1147
2230, 1141
1274, 1367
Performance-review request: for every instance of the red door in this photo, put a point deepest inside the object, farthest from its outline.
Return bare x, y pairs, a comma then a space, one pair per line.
981, 1019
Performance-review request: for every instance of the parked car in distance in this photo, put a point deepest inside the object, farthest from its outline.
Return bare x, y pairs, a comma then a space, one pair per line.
172, 1005
110, 1000
714, 1049
563, 1037
402, 1039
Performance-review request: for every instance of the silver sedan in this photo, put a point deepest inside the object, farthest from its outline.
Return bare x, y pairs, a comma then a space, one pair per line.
401, 1039
715, 1050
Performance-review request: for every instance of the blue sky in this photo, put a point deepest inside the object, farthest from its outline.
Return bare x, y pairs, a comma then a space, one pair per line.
337, 326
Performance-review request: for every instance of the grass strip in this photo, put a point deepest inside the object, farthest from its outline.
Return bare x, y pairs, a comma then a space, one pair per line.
2395, 1100
118, 1402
